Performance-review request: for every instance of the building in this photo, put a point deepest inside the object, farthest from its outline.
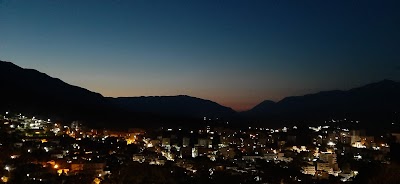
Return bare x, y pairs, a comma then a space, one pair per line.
185, 142
138, 158
186, 152
165, 142
397, 137
355, 135
202, 142
227, 152
330, 158
309, 170
251, 158
88, 168
76, 125
324, 166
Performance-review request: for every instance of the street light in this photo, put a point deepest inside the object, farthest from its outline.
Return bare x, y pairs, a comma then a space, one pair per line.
4, 179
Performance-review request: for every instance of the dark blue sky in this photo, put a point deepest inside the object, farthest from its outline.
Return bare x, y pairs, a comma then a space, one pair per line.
237, 53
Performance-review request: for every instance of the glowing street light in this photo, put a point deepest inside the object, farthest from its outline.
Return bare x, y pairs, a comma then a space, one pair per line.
4, 179
331, 143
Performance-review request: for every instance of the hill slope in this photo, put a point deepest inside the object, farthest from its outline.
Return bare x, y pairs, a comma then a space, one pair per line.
175, 106
33, 92
36, 93
373, 101
30, 91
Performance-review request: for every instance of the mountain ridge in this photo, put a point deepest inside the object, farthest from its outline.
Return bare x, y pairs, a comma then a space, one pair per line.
374, 101
28, 90
31, 90
184, 105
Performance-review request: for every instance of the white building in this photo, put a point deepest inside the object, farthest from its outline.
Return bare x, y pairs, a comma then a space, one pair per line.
324, 166
309, 170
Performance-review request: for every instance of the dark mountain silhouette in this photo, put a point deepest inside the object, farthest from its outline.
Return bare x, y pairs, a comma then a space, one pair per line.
33, 92
376, 101
175, 106
263, 107
30, 91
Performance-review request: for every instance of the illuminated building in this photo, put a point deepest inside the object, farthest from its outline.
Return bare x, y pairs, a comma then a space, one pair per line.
166, 142
309, 170
185, 142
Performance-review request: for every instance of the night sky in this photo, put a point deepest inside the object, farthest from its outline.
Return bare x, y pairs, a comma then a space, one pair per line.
237, 53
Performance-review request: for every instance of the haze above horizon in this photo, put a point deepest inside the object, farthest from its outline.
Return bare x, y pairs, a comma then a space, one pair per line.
237, 53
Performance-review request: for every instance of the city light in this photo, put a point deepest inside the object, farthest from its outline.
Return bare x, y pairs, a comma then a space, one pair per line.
7, 168
199, 91
331, 143
244, 146
4, 179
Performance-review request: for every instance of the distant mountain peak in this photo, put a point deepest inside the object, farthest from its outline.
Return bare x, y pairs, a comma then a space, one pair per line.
264, 106
266, 102
386, 83
28, 90
36, 92
372, 100
179, 105
9, 64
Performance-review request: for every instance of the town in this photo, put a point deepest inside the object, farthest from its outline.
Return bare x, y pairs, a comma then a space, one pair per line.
34, 150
